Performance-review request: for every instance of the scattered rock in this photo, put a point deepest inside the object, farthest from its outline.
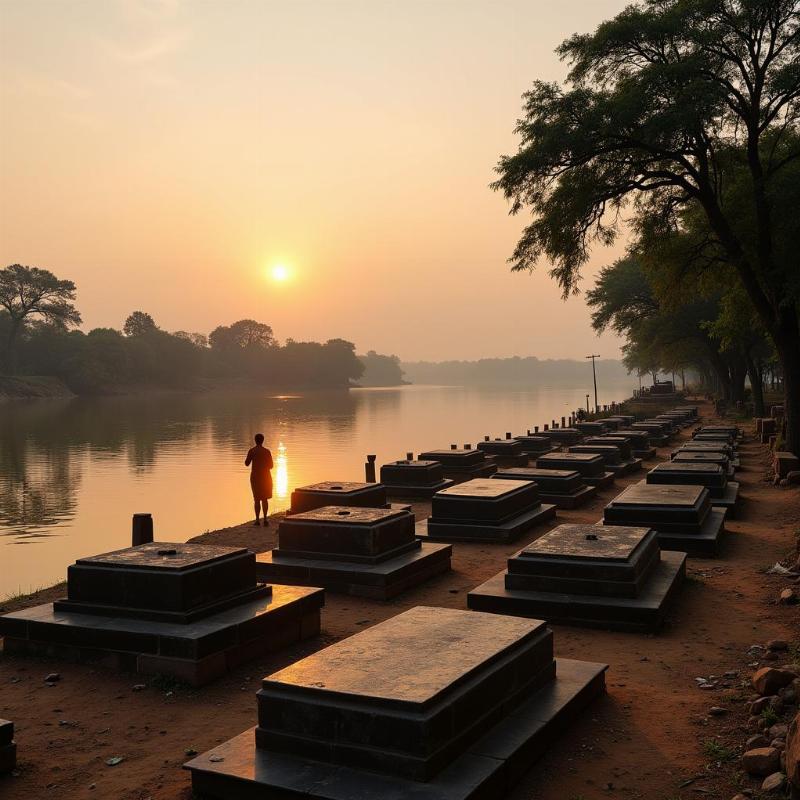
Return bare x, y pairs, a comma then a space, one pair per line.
793, 753
787, 597
114, 760
777, 644
53, 677
138, 687
768, 680
773, 783
759, 740
717, 711
793, 477
761, 761
757, 706
779, 730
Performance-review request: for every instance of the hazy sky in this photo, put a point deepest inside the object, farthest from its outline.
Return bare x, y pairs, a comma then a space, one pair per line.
165, 155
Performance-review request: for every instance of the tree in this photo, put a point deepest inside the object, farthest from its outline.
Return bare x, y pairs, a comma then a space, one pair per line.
139, 323
27, 292
197, 339
243, 335
666, 105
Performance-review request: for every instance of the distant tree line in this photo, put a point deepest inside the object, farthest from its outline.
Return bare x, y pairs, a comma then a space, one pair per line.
39, 336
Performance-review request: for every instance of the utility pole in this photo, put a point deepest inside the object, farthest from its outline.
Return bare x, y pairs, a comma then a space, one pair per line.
594, 376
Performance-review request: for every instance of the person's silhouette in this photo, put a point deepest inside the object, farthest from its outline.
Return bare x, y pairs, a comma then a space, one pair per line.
259, 459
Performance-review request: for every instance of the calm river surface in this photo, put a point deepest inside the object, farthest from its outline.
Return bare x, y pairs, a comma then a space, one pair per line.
73, 471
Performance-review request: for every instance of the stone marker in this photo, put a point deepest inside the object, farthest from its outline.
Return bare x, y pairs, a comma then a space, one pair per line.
337, 493
592, 428
612, 458
534, 444
190, 610
565, 436
640, 443
562, 488
416, 480
461, 464
656, 434
785, 462
612, 423
707, 457
485, 510
590, 465
505, 452
681, 515
8, 748
367, 552
621, 442
610, 577
432, 704
723, 493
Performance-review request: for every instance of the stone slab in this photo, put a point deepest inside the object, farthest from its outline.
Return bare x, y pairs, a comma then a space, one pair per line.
8, 757
379, 581
347, 533
534, 444
609, 452
497, 532
416, 479
621, 442
552, 480
643, 613
237, 770
683, 457
603, 481
337, 493
484, 500
563, 435
712, 476
663, 507
6, 732
163, 581
195, 653
705, 542
588, 464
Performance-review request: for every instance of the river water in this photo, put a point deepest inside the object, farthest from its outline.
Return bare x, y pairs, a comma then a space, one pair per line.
72, 472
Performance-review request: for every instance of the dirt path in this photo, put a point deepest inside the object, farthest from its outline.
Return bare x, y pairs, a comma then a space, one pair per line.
645, 739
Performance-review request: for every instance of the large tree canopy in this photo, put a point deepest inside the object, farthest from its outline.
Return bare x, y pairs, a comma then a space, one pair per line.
27, 292
666, 107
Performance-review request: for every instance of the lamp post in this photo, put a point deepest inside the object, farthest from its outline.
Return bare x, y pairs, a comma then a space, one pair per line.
587, 404
594, 376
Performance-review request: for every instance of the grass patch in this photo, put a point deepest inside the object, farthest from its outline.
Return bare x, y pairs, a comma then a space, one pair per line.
717, 751
770, 716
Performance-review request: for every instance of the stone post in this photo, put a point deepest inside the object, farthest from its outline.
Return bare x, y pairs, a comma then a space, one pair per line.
369, 469
141, 529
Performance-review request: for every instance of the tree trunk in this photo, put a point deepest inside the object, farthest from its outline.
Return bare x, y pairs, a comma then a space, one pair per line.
11, 355
787, 343
756, 386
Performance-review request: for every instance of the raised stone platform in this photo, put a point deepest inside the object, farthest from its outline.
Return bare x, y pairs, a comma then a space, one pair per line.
614, 577
640, 443
621, 442
723, 493
707, 457
338, 493
369, 718
563, 436
368, 552
192, 611
612, 458
681, 515
461, 464
485, 511
505, 452
597, 428
562, 488
414, 480
8, 748
535, 445
590, 465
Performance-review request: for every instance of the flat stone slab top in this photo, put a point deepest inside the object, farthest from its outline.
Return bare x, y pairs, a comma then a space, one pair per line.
621, 442
534, 443
584, 542
588, 464
712, 476
337, 493
710, 457
489, 510
163, 581
609, 452
369, 552
455, 457
418, 479
383, 663
563, 488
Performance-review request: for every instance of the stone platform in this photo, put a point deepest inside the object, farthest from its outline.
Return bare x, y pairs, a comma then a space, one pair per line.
337, 493
590, 465
640, 443
723, 493
614, 577
413, 480
485, 511
681, 515
461, 464
705, 457
505, 452
563, 436
612, 458
369, 718
8, 748
621, 442
656, 436
535, 445
367, 552
192, 611
562, 488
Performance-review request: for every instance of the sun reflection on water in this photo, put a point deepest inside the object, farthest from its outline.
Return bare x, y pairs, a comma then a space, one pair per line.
281, 472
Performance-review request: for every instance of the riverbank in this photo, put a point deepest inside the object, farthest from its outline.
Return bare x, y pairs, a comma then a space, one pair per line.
30, 387
651, 736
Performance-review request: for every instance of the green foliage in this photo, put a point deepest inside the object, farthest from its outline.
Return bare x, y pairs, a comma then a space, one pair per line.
139, 323
380, 370
717, 751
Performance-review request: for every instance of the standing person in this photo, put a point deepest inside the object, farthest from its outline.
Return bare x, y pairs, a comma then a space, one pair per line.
259, 459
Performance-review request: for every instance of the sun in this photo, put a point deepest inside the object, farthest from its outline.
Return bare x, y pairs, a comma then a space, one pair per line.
280, 273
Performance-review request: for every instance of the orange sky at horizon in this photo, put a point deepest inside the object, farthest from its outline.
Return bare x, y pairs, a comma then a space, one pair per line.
168, 155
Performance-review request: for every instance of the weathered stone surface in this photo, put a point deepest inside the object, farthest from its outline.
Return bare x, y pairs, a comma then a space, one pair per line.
337, 493
768, 680
773, 784
589, 465
761, 761
563, 488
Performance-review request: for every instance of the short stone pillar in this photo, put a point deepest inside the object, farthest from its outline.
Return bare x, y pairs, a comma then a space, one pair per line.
141, 529
369, 469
